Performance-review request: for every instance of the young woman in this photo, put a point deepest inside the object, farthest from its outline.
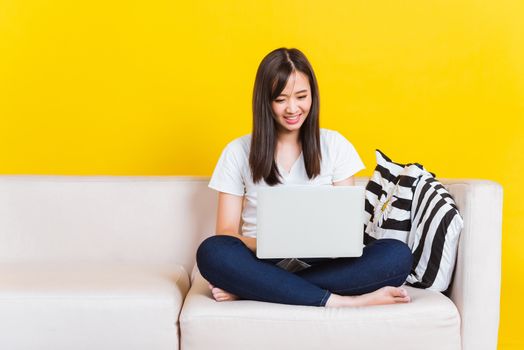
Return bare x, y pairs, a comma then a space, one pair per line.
288, 147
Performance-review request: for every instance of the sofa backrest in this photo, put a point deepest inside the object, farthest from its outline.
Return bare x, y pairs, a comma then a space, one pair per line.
156, 219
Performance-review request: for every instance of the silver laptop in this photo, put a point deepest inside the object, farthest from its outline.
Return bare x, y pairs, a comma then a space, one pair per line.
310, 221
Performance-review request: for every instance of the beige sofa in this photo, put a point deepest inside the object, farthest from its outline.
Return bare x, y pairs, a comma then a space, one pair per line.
105, 262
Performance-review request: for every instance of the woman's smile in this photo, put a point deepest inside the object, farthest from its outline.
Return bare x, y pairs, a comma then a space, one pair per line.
293, 119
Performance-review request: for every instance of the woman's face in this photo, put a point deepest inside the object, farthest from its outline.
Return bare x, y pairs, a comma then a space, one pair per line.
292, 106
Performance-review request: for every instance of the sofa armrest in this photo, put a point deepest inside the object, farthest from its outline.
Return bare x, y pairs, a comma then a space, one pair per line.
475, 288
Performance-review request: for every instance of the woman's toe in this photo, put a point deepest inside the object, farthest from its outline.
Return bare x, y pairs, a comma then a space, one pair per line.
399, 292
405, 299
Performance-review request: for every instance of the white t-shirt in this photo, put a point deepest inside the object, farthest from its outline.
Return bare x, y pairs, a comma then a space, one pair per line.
232, 174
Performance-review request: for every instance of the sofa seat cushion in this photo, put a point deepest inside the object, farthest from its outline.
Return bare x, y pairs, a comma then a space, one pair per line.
430, 321
91, 306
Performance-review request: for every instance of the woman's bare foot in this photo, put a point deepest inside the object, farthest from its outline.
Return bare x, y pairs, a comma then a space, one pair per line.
382, 296
221, 295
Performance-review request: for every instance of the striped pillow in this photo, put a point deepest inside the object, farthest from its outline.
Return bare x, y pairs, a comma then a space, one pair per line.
406, 202
434, 236
389, 194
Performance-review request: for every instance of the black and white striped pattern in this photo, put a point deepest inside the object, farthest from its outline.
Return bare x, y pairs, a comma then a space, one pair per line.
406, 202
434, 236
389, 194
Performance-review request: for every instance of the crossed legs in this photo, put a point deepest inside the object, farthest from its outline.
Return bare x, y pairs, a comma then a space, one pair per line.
234, 271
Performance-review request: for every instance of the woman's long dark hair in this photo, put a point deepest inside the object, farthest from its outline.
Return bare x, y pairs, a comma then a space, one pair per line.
271, 79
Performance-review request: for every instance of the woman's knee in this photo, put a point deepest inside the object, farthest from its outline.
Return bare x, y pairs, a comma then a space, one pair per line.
212, 249
399, 253
403, 254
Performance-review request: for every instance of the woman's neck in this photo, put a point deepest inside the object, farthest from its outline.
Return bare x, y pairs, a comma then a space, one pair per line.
289, 138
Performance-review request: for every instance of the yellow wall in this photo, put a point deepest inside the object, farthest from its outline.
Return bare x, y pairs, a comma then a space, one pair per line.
159, 87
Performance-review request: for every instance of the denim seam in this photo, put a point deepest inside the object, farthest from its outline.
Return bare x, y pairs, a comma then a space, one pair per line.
324, 298
367, 285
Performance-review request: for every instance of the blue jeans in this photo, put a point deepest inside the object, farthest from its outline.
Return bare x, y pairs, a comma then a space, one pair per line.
227, 263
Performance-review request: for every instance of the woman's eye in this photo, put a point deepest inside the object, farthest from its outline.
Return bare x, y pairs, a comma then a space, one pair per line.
302, 97
279, 101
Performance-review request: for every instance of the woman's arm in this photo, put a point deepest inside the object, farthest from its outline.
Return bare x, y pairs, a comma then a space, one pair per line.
350, 181
228, 218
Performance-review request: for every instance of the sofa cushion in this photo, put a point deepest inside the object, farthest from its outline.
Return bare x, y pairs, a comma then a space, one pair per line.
430, 321
88, 306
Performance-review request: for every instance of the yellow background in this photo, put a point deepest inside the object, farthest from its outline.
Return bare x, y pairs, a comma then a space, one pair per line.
159, 87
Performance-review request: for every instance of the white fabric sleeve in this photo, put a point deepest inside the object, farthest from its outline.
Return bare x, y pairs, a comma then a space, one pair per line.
227, 176
347, 160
